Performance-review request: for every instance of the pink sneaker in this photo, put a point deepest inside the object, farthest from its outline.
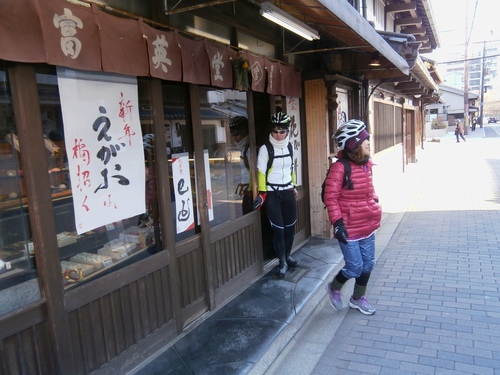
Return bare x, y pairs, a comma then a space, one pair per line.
362, 305
335, 297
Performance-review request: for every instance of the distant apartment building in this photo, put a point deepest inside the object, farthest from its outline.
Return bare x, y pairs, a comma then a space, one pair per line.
482, 73
483, 67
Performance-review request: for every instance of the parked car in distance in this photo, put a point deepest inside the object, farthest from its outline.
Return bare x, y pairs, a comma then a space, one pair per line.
492, 120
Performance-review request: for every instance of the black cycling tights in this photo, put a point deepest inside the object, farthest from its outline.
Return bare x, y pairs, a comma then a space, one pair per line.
281, 209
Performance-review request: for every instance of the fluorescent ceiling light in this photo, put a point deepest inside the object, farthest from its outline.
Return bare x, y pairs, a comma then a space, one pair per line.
282, 18
375, 59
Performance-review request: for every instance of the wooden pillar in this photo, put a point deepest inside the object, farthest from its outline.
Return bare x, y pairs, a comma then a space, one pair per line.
316, 108
26, 107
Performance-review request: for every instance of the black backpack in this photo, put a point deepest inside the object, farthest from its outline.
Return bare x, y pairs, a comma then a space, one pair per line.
347, 182
270, 152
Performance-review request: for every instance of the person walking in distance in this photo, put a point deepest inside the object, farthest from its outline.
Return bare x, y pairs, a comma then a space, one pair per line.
276, 180
354, 211
459, 131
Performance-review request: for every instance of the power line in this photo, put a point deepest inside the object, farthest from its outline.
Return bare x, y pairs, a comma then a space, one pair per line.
473, 19
471, 59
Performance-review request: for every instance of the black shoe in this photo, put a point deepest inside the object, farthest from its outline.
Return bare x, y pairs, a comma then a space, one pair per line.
291, 263
281, 270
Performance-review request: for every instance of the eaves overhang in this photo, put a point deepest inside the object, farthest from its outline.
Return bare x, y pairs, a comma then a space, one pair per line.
362, 29
422, 74
419, 83
341, 22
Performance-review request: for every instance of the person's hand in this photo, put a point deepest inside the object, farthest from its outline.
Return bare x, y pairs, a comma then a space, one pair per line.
259, 201
339, 231
241, 189
296, 193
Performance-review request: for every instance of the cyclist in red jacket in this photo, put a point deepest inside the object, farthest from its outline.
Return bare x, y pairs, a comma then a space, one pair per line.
355, 214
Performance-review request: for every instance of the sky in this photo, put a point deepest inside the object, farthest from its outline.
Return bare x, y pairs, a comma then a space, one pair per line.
453, 18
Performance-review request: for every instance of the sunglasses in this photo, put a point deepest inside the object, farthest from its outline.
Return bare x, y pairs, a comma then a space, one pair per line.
280, 131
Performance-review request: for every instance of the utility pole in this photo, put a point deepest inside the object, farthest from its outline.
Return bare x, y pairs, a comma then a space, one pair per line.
466, 70
481, 95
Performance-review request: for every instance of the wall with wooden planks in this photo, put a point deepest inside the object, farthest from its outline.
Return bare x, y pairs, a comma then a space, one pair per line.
316, 108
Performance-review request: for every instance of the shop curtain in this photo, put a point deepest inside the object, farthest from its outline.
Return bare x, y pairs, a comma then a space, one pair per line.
21, 37
258, 70
194, 61
123, 46
164, 54
63, 34
221, 72
273, 77
71, 36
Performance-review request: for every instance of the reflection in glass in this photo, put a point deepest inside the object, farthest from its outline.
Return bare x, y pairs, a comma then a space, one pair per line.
18, 281
180, 151
225, 136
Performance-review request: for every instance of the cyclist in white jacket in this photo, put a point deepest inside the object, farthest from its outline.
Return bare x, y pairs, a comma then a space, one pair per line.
277, 189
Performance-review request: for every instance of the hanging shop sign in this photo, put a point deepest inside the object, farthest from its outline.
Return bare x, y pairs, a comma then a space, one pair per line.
210, 205
293, 110
184, 216
104, 142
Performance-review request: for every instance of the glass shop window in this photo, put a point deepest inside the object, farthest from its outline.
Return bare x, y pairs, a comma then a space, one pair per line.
224, 122
99, 155
18, 276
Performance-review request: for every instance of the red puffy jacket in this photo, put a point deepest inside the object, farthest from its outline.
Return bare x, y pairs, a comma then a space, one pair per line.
358, 207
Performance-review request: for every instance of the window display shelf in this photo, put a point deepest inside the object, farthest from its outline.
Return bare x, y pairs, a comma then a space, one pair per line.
73, 277
17, 202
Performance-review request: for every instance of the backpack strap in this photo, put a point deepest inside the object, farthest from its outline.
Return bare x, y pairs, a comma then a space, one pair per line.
270, 154
346, 182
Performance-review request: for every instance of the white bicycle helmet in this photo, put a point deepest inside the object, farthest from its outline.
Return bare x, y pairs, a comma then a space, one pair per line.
348, 130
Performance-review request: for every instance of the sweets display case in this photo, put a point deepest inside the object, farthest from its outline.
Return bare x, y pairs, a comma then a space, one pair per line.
15, 247
83, 257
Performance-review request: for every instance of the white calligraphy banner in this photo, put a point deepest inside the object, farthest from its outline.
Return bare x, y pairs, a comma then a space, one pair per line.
184, 216
210, 201
103, 139
293, 110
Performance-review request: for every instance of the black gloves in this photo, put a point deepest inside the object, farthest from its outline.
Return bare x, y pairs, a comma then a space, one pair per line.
339, 231
259, 201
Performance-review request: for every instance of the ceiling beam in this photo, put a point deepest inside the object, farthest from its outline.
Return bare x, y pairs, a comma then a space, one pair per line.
407, 21
408, 86
403, 7
414, 30
421, 38
380, 74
